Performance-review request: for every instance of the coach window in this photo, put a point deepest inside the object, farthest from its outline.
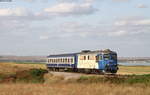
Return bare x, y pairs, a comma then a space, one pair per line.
71, 60
84, 57
66, 60
88, 57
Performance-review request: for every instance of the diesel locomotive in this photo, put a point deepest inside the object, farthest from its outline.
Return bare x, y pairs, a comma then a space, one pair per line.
100, 61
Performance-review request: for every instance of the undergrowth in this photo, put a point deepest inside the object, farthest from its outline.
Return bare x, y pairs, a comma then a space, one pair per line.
25, 76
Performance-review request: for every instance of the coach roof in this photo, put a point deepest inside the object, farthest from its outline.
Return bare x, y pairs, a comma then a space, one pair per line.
106, 51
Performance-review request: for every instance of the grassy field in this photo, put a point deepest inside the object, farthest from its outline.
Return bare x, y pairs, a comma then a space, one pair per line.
13, 67
73, 89
93, 85
134, 70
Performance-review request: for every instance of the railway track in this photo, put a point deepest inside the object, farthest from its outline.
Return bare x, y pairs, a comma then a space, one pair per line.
75, 75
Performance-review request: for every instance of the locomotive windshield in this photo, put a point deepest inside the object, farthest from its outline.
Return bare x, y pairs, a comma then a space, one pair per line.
114, 56
110, 56
106, 56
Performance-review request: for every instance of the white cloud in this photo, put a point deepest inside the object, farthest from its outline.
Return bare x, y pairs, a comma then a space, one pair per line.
142, 6
13, 12
133, 22
118, 33
43, 37
121, 0
35, 1
71, 8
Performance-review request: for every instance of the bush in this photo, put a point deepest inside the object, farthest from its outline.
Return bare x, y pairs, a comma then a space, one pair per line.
26, 76
31, 76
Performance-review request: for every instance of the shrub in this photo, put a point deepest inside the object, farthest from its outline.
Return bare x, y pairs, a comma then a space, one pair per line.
31, 76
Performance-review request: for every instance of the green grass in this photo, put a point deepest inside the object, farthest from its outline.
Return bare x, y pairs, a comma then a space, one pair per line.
130, 79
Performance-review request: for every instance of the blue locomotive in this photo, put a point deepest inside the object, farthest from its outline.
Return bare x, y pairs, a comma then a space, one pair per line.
101, 61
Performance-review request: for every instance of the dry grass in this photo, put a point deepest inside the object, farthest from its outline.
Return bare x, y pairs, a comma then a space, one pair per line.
137, 70
52, 86
72, 89
11, 67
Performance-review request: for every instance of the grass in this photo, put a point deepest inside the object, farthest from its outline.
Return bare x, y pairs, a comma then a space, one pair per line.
138, 70
28, 73
129, 80
30, 79
25, 76
29, 63
12, 67
73, 89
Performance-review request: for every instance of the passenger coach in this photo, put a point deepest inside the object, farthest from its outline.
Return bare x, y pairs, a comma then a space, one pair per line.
104, 61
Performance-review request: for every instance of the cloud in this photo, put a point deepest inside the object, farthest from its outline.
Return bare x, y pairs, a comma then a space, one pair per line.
42, 37
71, 8
20, 13
120, 28
133, 22
118, 33
121, 0
132, 26
142, 6
14, 12
30, 1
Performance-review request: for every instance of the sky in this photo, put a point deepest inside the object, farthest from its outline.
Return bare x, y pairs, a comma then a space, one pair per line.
43, 27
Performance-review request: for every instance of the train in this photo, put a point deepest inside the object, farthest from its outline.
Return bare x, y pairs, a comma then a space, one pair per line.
99, 61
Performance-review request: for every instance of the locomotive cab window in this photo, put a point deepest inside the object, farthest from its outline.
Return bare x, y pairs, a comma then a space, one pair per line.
106, 56
114, 56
